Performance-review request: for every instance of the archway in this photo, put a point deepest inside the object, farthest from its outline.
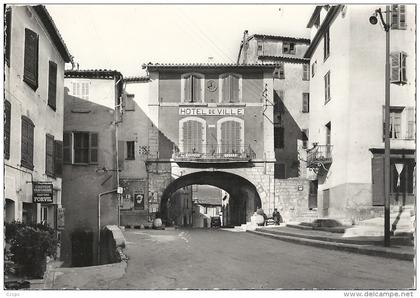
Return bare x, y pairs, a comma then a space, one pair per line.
244, 198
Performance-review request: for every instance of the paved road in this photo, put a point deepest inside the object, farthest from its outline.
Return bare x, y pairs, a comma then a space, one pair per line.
207, 259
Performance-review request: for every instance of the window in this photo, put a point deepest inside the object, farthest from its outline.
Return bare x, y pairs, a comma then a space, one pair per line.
231, 88
399, 68
313, 194
30, 72
278, 137
192, 135
58, 158
280, 171
260, 49
130, 104
193, 88
326, 44
398, 17
52, 85
81, 90
231, 136
305, 102
313, 68
85, 148
401, 122
289, 48
27, 145
130, 150
8, 24
279, 72
305, 73
49, 155
305, 138
327, 84
7, 119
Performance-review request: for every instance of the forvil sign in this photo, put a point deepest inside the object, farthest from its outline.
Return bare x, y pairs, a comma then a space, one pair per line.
42, 192
211, 111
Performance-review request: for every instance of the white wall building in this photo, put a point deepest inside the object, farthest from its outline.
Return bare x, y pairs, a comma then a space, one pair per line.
347, 87
35, 55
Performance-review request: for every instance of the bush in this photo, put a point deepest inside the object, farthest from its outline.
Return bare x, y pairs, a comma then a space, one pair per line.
30, 245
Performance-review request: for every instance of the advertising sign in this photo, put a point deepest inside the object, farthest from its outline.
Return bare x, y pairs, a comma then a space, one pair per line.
60, 218
42, 192
139, 201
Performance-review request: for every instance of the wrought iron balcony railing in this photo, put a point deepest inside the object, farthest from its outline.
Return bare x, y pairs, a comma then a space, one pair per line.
214, 153
320, 154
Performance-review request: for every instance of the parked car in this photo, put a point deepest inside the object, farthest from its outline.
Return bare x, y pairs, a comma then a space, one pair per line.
215, 222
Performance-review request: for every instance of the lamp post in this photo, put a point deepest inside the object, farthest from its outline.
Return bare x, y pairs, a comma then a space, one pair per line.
387, 25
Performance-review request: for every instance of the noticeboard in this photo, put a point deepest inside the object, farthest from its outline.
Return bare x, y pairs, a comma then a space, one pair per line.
42, 192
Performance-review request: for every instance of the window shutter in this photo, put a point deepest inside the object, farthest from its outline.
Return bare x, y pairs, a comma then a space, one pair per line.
187, 89
93, 148
27, 145
30, 73
378, 180
402, 24
52, 85
196, 89
305, 102
226, 89
403, 58
278, 137
49, 155
395, 67
305, 72
67, 147
8, 24
58, 158
410, 123
234, 89
395, 21
281, 71
7, 126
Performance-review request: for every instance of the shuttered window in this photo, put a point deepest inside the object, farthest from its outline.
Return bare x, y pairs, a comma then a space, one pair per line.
278, 137
326, 44
327, 84
305, 102
8, 26
411, 123
305, 72
289, 48
7, 126
193, 134
399, 17
130, 150
58, 158
52, 85
30, 73
401, 123
85, 147
279, 72
93, 148
49, 155
67, 147
231, 139
398, 68
27, 143
231, 88
81, 90
280, 171
192, 88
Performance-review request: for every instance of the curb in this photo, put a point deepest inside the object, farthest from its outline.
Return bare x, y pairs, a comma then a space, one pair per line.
355, 248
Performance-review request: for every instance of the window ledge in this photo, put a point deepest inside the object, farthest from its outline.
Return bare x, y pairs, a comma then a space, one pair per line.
26, 165
193, 104
231, 104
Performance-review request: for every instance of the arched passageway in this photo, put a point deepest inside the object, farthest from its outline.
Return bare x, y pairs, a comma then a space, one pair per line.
244, 198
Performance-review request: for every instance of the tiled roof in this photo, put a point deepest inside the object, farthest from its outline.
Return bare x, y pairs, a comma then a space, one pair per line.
93, 74
208, 65
137, 79
279, 37
53, 32
285, 59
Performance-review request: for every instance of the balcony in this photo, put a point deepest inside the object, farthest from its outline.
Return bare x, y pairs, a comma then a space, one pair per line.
320, 154
215, 153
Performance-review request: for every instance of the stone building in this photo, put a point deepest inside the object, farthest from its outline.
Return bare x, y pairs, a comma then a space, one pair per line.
347, 87
35, 54
90, 171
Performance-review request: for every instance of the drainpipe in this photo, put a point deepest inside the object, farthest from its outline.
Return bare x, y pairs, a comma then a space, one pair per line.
99, 221
117, 107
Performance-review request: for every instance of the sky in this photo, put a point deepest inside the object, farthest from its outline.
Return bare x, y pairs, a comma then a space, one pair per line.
123, 37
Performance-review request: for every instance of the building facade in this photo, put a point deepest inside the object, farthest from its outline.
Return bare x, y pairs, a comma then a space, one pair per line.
35, 55
346, 130
90, 171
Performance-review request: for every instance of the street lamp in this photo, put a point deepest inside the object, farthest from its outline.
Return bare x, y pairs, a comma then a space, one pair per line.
386, 24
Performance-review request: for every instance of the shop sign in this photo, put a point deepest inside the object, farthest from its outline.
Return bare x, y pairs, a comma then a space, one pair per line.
60, 218
42, 192
211, 111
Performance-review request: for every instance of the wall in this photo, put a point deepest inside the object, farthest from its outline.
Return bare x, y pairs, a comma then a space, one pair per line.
83, 183
32, 104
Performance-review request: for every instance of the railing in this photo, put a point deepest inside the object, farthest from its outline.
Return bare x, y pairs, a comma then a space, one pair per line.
214, 152
320, 153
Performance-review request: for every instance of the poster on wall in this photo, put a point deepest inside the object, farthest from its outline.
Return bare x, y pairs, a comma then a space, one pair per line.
60, 218
139, 201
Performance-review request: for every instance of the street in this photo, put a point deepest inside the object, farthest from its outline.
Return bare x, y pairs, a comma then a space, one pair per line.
208, 259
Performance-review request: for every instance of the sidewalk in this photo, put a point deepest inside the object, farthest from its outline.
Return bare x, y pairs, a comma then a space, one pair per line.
331, 240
